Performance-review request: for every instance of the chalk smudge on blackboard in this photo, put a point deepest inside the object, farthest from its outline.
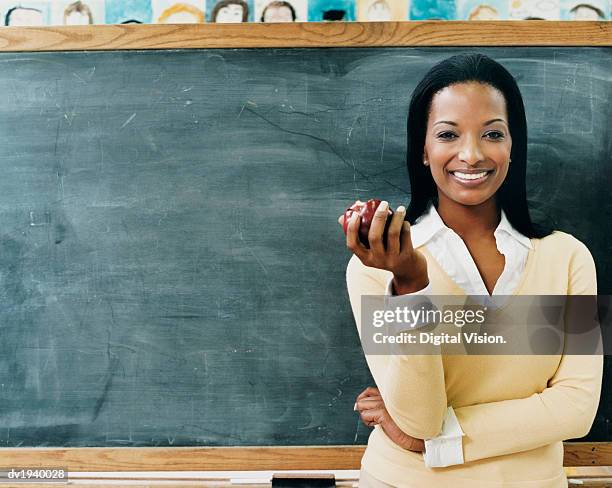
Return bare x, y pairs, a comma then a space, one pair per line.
128, 120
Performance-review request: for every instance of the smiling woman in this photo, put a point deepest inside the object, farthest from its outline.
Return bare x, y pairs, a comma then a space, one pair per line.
446, 420
469, 153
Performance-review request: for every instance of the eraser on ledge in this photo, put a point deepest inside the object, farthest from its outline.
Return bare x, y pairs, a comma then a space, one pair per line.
302, 480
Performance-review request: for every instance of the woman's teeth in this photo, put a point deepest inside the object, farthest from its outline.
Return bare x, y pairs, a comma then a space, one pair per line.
469, 176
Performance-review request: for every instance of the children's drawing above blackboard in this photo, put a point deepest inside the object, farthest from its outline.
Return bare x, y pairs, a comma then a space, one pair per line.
69, 12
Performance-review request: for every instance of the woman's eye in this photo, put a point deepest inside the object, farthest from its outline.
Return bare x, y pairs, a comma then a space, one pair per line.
495, 135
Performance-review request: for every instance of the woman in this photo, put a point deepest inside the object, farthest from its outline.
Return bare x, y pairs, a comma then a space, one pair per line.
464, 421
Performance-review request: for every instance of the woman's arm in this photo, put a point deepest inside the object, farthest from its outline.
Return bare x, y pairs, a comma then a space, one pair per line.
412, 386
564, 410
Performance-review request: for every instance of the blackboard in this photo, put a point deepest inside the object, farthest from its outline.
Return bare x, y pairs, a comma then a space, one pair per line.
172, 272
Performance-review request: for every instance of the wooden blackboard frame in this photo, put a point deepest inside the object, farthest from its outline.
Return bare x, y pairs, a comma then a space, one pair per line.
235, 458
297, 35
307, 34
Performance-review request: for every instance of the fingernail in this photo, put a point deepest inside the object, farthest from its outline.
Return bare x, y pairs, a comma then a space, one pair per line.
401, 208
383, 206
354, 216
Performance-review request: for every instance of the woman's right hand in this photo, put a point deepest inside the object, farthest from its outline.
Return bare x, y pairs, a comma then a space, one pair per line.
409, 267
372, 410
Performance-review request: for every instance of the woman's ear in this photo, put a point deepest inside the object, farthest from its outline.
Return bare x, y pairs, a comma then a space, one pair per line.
425, 159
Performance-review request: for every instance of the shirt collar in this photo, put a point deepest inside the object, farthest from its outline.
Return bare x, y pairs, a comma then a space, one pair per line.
430, 223
506, 226
426, 227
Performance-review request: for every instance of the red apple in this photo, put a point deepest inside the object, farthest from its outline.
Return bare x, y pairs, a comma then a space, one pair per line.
366, 210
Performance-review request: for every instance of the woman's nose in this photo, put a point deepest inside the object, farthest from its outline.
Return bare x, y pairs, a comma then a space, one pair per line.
471, 152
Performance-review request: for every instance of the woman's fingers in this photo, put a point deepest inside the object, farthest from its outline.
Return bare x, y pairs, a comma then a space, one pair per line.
395, 229
373, 417
369, 391
375, 234
352, 237
378, 249
369, 403
406, 238
355, 204
396, 255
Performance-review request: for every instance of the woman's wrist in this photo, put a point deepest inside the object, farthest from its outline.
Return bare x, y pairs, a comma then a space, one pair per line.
400, 438
404, 286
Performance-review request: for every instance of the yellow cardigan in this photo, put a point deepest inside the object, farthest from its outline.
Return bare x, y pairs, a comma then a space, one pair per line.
515, 411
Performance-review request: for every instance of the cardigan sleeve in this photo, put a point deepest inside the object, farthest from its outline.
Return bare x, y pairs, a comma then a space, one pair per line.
564, 410
412, 386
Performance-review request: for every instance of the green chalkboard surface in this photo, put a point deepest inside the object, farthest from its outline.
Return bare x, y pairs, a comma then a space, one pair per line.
171, 268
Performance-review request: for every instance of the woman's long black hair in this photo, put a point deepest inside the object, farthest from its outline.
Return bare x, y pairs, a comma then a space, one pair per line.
512, 194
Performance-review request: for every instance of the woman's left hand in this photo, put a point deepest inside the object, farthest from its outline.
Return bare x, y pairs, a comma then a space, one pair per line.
372, 410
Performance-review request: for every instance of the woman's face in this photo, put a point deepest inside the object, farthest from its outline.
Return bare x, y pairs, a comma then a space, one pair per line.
468, 142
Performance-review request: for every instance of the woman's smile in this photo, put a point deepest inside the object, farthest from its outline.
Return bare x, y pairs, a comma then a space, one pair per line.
470, 178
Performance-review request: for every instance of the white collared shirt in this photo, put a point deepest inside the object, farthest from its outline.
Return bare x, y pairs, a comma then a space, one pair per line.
451, 253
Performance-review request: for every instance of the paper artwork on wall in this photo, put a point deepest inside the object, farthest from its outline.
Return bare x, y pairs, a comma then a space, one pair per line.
178, 12
432, 10
20, 13
229, 11
381, 10
71, 12
585, 10
534, 9
129, 12
281, 11
482, 9
331, 10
